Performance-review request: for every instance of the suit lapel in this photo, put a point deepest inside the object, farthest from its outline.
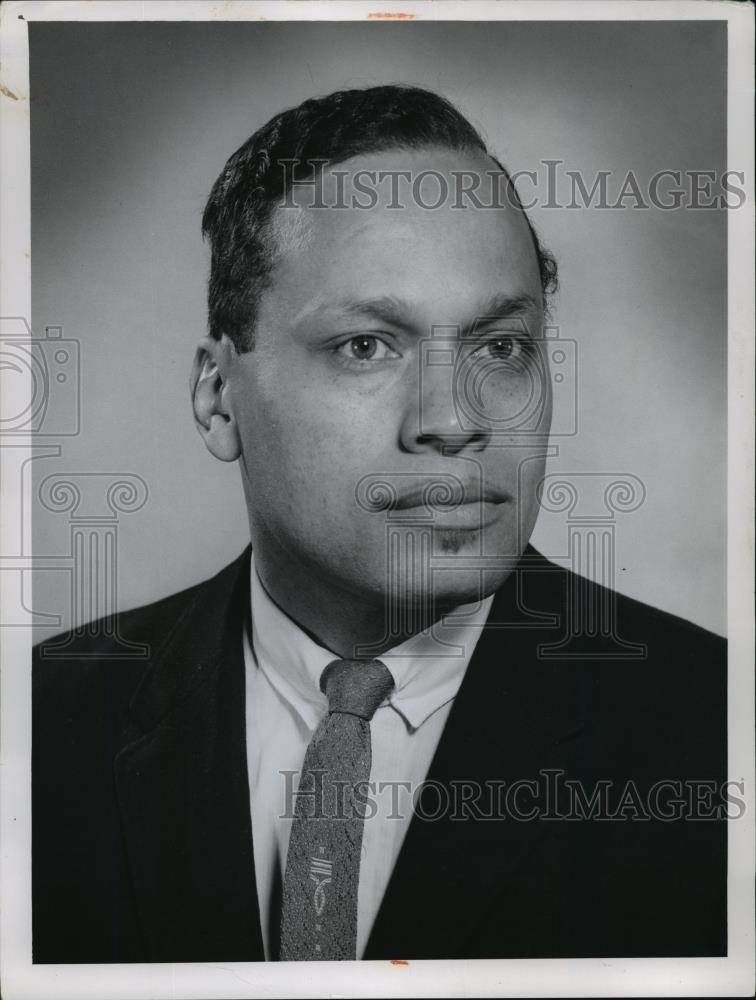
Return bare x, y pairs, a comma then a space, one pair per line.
509, 720
183, 787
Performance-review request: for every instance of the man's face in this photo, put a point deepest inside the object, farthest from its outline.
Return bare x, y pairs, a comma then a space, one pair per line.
396, 346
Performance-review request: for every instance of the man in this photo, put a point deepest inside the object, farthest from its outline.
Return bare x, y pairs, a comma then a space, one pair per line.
360, 740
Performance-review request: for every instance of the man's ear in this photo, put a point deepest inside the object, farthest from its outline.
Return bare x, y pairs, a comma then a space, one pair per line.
213, 413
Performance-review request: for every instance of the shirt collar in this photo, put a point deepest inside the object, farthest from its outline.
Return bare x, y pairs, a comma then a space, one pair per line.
427, 668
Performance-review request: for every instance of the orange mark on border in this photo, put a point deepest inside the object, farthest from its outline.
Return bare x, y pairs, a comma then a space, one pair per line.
399, 15
398, 961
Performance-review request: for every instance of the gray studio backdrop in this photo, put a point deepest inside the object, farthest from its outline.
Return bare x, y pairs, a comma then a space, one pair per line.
131, 123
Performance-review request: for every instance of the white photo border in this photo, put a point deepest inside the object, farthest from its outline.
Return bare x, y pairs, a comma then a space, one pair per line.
730, 976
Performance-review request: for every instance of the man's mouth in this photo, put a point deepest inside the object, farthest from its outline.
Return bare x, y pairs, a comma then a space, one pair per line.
440, 500
445, 497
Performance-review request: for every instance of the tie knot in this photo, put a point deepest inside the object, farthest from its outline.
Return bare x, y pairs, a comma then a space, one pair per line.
356, 687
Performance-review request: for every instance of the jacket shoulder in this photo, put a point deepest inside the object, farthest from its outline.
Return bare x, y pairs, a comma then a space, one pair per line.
120, 648
664, 624
652, 684
631, 660
568, 592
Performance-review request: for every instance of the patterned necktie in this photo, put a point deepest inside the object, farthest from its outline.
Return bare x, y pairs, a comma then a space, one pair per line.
319, 905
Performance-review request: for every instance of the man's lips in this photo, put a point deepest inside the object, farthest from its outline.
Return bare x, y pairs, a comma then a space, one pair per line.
443, 496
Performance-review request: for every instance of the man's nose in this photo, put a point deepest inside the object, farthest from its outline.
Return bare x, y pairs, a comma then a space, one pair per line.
433, 418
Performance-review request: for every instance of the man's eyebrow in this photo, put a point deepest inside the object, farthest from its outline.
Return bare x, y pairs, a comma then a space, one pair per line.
385, 308
388, 309
503, 306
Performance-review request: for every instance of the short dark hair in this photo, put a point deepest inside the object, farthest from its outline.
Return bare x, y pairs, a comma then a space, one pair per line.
238, 216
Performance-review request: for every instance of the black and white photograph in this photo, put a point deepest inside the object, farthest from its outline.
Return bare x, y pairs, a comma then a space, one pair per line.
377, 461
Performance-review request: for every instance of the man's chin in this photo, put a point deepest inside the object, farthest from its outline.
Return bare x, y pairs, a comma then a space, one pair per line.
447, 588
452, 588
447, 567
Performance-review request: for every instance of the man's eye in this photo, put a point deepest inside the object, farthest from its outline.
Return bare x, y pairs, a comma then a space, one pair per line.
366, 347
505, 347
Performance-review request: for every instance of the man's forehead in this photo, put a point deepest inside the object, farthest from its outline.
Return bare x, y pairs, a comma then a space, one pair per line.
402, 201
403, 178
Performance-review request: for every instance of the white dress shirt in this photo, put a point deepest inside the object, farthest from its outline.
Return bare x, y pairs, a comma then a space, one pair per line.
284, 705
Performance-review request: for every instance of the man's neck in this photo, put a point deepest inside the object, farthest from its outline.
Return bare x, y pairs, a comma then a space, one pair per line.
333, 616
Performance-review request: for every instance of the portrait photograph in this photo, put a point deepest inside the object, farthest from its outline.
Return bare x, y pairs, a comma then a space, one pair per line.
377, 462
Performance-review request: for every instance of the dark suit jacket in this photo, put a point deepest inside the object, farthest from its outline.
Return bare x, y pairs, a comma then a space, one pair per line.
142, 843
